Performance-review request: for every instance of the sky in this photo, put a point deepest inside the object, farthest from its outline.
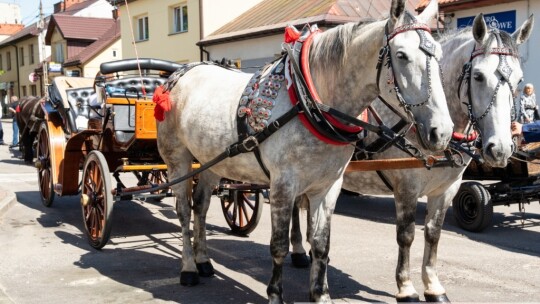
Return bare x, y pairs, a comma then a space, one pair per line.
30, 9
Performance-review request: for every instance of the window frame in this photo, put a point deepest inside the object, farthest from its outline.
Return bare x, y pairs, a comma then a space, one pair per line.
178, 19
31, 54
8, 61
143, 35
21, 51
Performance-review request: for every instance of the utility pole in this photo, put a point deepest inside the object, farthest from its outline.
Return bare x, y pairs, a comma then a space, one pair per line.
43, 54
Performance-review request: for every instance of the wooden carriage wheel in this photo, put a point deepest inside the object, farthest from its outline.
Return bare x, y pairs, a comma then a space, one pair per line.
96, 199
242, 209
44, 166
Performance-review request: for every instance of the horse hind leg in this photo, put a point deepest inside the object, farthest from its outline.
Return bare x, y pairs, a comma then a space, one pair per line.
298, 256
405, 221
179, 164
201, 201
437, 207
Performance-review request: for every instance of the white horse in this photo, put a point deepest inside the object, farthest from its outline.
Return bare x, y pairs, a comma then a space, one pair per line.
489, 61
202, 123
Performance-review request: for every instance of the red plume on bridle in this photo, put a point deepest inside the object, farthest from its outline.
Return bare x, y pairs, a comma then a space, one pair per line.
163, 103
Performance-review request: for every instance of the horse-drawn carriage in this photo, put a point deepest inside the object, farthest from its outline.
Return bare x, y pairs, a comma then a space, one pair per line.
203, 122
106, 125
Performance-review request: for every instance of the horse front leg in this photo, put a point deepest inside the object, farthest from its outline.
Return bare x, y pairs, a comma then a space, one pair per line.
281, 203
436, 211
321, 209
405, 228
298, 256
201, 201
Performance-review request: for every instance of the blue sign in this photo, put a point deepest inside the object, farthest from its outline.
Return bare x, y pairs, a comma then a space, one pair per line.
504, 21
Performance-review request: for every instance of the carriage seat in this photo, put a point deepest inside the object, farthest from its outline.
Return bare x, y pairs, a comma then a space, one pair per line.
132, 87
83, 105
124, 118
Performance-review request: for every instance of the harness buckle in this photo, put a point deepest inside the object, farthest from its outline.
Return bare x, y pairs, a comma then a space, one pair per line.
250, 143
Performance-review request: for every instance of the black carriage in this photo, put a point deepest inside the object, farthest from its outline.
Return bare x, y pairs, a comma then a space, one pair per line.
517, 183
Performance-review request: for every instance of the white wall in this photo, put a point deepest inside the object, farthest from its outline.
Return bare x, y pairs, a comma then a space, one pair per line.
100, 9
10, 13
529, 51
217, 13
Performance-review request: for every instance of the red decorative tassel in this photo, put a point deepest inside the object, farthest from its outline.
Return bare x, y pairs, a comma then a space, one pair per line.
163, 103
291, 34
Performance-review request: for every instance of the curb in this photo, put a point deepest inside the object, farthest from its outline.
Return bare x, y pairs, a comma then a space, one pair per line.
7, 199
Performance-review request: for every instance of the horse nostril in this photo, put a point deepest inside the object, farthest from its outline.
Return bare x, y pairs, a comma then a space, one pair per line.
489, 150
434, 135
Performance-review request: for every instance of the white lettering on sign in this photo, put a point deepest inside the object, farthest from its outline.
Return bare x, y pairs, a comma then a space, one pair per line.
492, 22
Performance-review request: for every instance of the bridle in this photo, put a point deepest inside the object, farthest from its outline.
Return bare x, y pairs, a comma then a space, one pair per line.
426, 46
503, 69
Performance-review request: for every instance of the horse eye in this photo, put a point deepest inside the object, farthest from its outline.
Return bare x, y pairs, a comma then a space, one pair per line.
520, 81
402, 56
478, 76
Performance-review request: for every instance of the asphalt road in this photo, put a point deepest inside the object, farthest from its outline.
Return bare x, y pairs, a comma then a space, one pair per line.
45, 258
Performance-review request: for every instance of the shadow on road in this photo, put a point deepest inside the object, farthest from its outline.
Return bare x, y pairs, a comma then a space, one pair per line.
506, 232
128, 259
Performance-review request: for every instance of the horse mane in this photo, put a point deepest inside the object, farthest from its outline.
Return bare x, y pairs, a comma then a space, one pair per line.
331, 48
506, 38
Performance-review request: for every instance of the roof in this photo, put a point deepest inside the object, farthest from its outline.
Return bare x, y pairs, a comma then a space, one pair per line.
29, 31
80, 28
454, 5
10, 29
111, 35
271, 16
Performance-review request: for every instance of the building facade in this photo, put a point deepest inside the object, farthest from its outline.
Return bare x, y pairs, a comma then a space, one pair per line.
507, 15
22, 54
170, 31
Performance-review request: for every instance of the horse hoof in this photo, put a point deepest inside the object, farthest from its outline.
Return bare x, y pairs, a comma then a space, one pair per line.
300, 260
189, 278
205, 269
442, 298
409, 299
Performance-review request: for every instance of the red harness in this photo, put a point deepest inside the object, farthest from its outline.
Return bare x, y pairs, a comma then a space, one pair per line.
291, 35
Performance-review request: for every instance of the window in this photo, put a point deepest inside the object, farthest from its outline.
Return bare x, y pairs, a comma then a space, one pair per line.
180, 19
31, 54
142, 28
1, 63
59, 52
8, 61
21, 54
24, 91
33, 90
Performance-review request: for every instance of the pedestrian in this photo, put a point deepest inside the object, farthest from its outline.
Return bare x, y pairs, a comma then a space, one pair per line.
14, 109
1, 129
528, 104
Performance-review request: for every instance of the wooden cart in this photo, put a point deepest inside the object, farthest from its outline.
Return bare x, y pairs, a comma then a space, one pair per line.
517, 183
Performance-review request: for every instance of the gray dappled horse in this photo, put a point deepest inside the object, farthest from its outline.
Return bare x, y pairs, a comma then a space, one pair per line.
488, 89
202, 124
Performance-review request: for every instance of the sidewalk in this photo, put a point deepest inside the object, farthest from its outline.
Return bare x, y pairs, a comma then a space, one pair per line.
7, 197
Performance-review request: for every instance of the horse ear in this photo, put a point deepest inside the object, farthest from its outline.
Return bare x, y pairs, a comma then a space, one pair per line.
523, 33
429, 12
479, 28
396, 10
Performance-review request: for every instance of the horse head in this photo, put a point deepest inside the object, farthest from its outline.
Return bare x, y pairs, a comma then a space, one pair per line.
414, 73
493, 75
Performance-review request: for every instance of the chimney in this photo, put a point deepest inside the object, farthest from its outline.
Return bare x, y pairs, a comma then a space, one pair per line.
63, 6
